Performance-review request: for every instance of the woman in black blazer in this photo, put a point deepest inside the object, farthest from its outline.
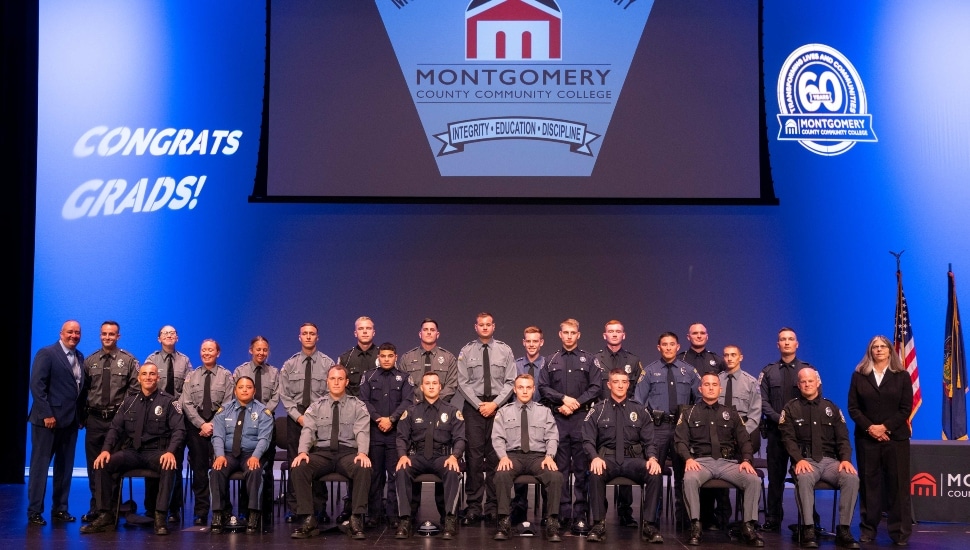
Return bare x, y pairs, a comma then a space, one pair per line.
880, 402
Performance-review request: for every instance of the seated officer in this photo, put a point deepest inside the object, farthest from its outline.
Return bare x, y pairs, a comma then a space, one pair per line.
335, 438
430, 438
525, 438
245, 428
816, 437
618, 438
711, 438
149, 428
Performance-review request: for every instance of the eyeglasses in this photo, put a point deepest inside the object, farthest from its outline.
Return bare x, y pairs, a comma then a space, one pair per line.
880, 346
168, 333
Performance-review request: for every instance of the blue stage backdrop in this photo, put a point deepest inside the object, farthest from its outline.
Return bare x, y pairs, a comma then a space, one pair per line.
149, 125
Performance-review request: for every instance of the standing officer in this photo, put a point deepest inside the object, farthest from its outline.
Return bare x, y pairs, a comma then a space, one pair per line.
814, 433
486, 371
712, 441
362, 357
265, 379
57, 390
244, 428
703, 359
778, 386
667, 385
615, 356
525, 438
387, 393
335, 438
531, 363
428, 357
303, 380
618, 438
173, 368
430, 440
206, 389
110, 374
569, 385
146, 433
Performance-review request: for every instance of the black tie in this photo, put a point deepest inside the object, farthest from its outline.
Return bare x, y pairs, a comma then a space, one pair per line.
237, 434
207, 396
169, 375
525, 430
106, 381
258, 375
532, 369
817, 449
786, 383
429, 423
427, 362
487, 374
671, 389
729, 392
715, 442
140, 423
307, 388
620, 441
335, 428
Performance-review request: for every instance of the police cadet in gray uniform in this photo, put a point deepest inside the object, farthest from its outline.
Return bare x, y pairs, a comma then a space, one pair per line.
242, 432
387, 393
778, 386
206, 389
612, 357
303, 380
667, 385
712, 441
110, 375
266, 386
526, 438
618, 438
427, 357
362, 357
816, 437
430, 439
173, 368
335, 438
145, 433
486, 371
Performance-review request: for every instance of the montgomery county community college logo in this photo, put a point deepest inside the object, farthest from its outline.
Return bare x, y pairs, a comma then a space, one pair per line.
822, 102
514, 87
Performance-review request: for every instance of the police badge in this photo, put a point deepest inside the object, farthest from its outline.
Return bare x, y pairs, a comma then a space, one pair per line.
158, 410
633, 415
828, 412
444, 417
725, 415
254, 415
582, 359
628, 369
441, 360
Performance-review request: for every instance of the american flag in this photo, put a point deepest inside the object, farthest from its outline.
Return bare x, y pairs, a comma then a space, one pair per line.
905, 345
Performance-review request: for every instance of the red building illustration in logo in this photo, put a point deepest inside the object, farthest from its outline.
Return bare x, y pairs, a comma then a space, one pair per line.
922, 485
513, 30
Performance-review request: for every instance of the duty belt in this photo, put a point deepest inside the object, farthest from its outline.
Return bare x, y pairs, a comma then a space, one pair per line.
660, 417
103, 414
632, 451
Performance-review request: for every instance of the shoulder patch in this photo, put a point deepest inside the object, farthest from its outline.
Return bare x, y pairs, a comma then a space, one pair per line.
680, 419
177, 405
842, 416
219, 411
459, 416
404, 415
268, 412
761, 376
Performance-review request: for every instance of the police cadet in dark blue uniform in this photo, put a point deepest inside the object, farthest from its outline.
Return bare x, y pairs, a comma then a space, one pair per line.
615, 356
360, 358
531, 363
149, 429
619, 441
387, 392
667, 385
241, 434
111, 374
569, 385
430, 439
779, 385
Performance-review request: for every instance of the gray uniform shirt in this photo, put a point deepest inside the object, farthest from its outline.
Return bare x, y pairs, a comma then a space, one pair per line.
747, 397
507, 429
270, 382
120, 373
220, 392
443, 362
471, 381
353, 429
291, 381
180, 365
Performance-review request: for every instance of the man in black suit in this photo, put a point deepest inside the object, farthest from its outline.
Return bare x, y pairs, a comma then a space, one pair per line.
57, 390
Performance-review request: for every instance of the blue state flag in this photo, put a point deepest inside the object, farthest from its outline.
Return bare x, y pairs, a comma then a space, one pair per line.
954, 370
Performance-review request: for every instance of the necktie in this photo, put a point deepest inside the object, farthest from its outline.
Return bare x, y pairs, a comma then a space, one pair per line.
427, 361
620, 440
140, 423
307, 379
429, 423
258, 375
786, 383
72, 359
207, 396
817, 449
169, 375
671, 389
532, 370
729, 392
106, 381
237, 434
335, 428
715, 441
487, 374
524, 421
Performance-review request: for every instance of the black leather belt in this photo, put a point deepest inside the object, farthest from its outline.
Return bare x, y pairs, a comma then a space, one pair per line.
486, 397
103, 414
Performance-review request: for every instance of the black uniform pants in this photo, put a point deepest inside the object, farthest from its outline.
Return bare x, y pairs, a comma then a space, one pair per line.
293, 431
252, 481
528, 464
200, 460
124, 460
482, 461
420, 465
884, 487
633, 468
572, 459
663, 435
95, 431
324, 462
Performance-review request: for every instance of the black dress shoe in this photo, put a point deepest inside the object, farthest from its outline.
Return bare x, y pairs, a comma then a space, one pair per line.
64, 516
471, 519
199, 521
344, 516
771, 527
34, 518
90, 516
290, 518
626, 520
174, 517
